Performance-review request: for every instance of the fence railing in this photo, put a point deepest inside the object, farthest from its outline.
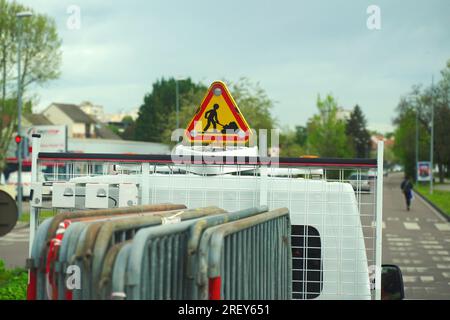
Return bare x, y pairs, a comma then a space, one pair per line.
163, 262
247, 259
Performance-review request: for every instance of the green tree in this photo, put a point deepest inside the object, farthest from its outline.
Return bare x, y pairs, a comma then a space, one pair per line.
254, 104
301, 135
326, 133
359, 136
404, 147
289, 144
130, 132
114, 128
129, 126
441, 102
189, 103
154, 114
40, 57
127, 120
419, 103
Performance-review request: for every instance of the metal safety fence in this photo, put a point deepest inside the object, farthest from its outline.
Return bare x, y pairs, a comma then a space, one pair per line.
247, 259
335, 206
82, 242
38, 262
164, 262
133, 256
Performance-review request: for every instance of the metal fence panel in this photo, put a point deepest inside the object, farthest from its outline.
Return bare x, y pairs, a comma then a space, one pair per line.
98, 236
116, 232
36, 262
47, 230
228, 257
119, 273
196, 232
70, 215
105, 283
67, 253
162, 259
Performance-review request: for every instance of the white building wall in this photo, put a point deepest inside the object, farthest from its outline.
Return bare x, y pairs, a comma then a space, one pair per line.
58, 117
79, 130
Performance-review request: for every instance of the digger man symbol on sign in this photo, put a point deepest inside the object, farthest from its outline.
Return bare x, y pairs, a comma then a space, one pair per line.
211, 115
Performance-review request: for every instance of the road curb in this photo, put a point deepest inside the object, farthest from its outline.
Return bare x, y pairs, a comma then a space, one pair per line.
438, 210
21, 225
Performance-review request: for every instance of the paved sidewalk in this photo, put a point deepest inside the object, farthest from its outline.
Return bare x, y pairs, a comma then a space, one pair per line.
14, 247
418, 241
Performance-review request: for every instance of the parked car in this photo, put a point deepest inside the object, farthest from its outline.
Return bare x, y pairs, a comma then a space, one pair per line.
26, 182
360, 181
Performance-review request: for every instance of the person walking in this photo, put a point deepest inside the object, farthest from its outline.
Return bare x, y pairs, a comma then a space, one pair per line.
407, 187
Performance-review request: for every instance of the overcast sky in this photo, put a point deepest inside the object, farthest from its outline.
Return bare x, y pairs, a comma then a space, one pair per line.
294, 49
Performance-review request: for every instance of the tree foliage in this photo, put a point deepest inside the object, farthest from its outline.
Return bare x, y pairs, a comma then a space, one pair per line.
301, 135
155, 114
290, 145
404, 147
326, 133
254, 104
418, 103
359, 136
40, 62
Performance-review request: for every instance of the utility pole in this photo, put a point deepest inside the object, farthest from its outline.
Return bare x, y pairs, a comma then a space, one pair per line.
177, 103
177, 99
417, 142
432, 135
19, 17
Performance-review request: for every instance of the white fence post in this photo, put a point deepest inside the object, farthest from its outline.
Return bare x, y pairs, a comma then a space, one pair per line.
145, 184
379, 220
34, 214
263, 188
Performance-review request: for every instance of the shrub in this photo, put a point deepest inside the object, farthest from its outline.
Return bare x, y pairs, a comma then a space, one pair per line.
13, 283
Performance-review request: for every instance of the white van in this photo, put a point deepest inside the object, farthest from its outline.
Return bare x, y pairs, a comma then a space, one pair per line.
332, 242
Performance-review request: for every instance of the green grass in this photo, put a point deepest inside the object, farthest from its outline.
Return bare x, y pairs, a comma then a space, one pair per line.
13, 283
42, 216
440, 198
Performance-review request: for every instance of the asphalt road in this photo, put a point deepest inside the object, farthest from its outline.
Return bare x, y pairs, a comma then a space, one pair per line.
418, 241
14, 246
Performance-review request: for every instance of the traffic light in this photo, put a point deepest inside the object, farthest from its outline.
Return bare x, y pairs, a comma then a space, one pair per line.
23, 143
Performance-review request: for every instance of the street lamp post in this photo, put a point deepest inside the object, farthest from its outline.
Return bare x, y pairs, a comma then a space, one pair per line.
19, 17
432, 135
417, 143
177, 100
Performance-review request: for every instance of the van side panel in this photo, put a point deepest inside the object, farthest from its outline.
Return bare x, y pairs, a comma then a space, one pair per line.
329, 207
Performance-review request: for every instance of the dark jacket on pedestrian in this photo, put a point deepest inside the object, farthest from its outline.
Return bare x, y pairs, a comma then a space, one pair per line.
406, 187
